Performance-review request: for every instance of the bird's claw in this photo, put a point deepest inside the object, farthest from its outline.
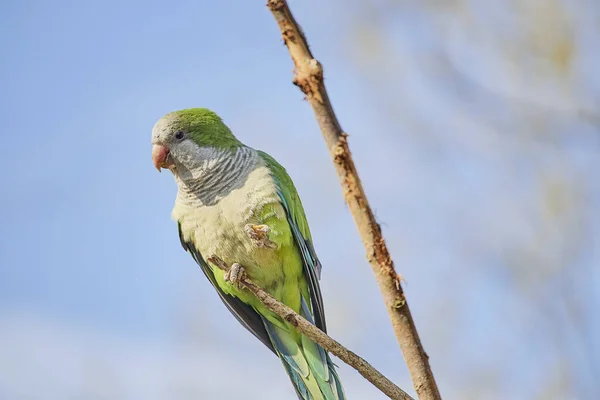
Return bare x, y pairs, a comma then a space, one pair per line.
235, 275
259, 234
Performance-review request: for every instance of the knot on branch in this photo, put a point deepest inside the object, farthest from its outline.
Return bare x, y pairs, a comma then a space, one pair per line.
309, 78
276, 5
382, 255
341, 151
291, 318
342, 158
399, 301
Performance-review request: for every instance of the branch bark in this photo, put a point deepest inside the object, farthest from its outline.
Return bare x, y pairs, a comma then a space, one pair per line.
309, 78
318, 336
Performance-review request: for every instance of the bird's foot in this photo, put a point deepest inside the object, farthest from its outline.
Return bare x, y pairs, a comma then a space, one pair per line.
259, 234
235, 275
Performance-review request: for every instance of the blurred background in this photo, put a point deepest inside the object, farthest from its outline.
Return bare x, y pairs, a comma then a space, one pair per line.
475, 126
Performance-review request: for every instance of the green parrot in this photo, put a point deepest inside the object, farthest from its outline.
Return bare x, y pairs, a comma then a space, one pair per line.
240, 205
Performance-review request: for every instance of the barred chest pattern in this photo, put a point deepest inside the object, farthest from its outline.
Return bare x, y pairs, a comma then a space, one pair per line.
214, 208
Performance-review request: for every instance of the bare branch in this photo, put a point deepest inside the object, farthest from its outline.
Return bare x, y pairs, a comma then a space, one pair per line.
309, 78
317, 335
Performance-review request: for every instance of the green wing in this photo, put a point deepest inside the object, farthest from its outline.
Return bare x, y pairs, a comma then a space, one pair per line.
297, 220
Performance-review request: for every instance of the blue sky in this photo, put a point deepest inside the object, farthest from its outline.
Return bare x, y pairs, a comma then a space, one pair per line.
98, 300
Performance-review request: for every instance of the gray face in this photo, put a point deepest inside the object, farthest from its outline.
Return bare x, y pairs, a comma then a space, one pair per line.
165, 131
185, 159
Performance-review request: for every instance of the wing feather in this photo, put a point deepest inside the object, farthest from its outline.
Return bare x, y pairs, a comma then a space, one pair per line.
301, 232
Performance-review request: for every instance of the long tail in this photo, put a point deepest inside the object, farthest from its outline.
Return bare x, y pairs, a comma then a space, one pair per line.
310, 369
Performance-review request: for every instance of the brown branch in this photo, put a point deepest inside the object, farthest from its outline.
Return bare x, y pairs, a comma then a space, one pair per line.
309, 78
317, 335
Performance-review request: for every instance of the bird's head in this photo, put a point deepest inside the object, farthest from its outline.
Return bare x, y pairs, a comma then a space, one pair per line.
183, 140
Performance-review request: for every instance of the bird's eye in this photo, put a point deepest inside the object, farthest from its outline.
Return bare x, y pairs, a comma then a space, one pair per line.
179, 135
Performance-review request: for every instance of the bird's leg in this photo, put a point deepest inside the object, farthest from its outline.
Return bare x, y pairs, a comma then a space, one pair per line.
259, 234
235, 274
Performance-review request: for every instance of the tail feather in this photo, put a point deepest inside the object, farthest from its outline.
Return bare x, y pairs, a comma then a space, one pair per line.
339, 390
287, 349
309, 367
316, 356
299, 386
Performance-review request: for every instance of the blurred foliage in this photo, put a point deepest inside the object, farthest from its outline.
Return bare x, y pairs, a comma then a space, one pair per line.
514, 92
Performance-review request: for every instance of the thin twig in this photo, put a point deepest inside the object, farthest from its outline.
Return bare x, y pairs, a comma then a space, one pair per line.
309, 78
318, 336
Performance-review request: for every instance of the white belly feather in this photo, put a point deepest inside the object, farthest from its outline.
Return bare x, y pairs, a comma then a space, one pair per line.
219, 228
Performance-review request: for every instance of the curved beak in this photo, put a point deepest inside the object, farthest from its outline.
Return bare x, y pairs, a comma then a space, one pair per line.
160, 155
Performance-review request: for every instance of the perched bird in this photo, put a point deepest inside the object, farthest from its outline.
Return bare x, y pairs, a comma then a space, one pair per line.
240, 205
